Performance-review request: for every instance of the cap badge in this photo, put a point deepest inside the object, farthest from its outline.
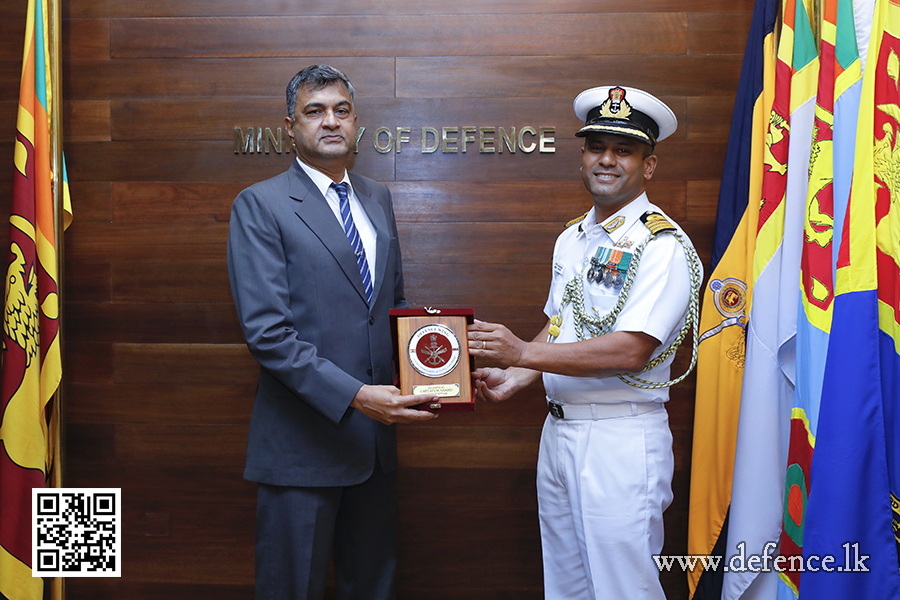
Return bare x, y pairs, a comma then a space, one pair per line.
615, 107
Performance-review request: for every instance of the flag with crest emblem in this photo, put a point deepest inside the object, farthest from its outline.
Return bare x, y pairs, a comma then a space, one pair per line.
31, 367
852, 509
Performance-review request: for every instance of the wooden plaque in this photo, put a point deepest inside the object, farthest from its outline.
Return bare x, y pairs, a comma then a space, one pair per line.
431, 350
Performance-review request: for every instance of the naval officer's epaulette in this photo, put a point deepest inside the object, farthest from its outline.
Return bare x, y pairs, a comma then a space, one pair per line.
656, 223
577, 220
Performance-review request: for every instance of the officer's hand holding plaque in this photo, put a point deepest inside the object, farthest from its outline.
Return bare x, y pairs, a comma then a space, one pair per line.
432, 354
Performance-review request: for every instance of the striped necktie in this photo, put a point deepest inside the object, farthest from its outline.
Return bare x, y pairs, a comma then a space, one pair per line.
355, 240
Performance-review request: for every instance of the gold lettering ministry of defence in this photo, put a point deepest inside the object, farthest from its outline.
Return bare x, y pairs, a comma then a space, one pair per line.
449, 140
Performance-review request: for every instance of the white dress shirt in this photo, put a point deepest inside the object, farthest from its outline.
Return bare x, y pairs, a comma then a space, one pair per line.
360, 218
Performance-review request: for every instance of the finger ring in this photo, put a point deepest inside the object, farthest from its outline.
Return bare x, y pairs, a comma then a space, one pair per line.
483, 344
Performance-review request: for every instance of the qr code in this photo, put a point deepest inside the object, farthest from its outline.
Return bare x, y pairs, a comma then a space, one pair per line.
75, 532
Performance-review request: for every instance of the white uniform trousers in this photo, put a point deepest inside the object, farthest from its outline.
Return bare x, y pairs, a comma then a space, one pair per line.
602, 487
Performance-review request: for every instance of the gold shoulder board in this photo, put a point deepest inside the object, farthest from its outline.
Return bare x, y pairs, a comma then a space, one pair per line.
655, 222
577, 219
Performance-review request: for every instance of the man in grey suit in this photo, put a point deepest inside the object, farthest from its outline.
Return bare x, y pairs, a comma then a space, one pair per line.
314, 264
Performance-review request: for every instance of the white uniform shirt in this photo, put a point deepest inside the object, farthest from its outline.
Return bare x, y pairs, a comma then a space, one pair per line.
656, 305
360, 218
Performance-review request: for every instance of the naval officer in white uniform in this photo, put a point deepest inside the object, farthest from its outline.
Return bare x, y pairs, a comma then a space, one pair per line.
624, 281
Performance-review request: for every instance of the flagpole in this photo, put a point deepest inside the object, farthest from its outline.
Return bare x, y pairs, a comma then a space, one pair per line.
57, 584
56, 159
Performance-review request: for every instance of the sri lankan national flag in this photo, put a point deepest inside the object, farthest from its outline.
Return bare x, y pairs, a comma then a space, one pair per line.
31, 367
835, 124
855, 466
723, 322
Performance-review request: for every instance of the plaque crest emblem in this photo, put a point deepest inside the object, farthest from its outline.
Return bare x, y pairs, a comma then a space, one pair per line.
433, 350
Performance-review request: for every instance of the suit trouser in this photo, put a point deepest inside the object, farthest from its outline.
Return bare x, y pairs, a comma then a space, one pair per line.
297, 529
602, 488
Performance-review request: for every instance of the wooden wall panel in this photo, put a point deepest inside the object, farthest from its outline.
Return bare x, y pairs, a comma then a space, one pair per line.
401, 35
12, 10
10, 73
249, 77
193, 8
179, 484
181, 364
94, 200
713, 33
183, 280
564, 76
149, 322
12, 35
86, 39
709, 118
104, 242
158, 381
89, 120
150, 202
160, 402
107, 590
88, 362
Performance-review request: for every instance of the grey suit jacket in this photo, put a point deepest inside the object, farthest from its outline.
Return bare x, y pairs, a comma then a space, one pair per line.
300, 300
